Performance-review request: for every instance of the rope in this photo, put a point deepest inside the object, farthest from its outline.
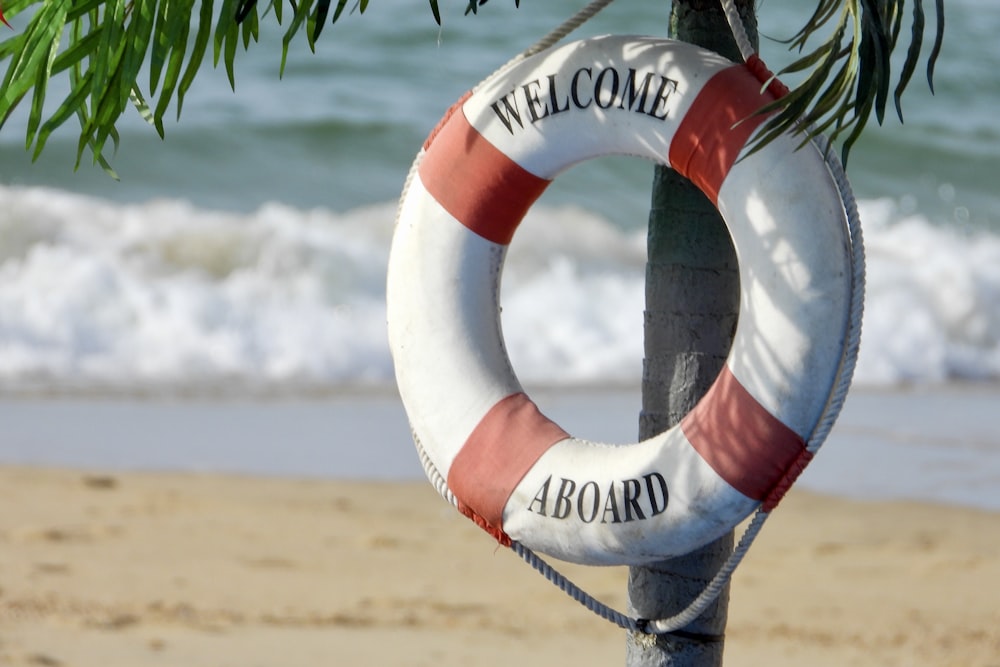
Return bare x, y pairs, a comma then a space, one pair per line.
574, 591
554, 37
566, 28
743, 42
845, 371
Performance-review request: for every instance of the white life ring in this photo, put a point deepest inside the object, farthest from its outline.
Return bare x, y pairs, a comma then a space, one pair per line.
508, 467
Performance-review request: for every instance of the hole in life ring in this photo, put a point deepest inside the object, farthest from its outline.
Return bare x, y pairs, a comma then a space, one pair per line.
573, 301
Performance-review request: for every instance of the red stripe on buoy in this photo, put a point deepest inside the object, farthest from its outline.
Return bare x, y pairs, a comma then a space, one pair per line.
456, 107
476, 183
744, 443
717, 126
500, 451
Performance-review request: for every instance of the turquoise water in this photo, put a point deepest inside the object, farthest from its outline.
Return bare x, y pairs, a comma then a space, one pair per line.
339, 130
248, 248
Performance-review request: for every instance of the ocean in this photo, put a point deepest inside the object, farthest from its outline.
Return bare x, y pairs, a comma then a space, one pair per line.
244, 255
248, 248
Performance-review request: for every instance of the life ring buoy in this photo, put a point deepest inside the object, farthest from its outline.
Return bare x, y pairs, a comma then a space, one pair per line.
511, 469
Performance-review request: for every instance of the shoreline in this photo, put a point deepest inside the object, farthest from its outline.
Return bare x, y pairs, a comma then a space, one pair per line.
145, 568
933, 443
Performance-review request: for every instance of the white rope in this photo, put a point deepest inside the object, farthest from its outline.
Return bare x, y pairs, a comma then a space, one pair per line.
554, 37
834, 403
575, 592
566, 28
735, 21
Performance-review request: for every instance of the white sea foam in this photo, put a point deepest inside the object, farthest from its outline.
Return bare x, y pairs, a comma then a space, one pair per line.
100, 296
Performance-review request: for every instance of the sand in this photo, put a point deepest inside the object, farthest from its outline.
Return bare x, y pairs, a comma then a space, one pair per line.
128, 569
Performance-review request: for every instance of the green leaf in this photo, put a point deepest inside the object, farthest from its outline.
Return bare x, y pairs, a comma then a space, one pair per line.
338, 10
912, 55
139, 102
874, 52
938, 41
105, 110
227, 34
74, 101
79, 49
322, 10
38, 99
301, 14
161, 47
109, 48
44, 30
11, 46
232, 41
82, 9
197, 52
244, 9
137, 39
173, 68
250, 29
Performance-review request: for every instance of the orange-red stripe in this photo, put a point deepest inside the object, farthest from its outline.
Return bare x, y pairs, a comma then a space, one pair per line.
502, 448
476, 183
717, 126
744, 443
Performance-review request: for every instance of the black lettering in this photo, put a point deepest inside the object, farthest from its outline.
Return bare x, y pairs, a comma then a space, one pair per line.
599, 85
541, 498
595, 504
654, 505
615, 505
631, 490
611, 505
667, 86
553, 98
563, 503
630, 91
536, 108
513, 114
574, 90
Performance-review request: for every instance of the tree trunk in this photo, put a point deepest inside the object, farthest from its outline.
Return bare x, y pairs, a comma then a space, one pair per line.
692, 304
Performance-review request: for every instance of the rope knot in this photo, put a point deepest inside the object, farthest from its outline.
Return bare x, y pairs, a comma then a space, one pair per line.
786, 481
498, 534
766, 76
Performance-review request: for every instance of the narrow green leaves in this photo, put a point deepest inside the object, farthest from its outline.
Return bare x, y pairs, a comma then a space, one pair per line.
201, 40
116, 54
32, 55
849, 74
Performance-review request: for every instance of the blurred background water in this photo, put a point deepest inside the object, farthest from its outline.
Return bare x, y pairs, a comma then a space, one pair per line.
247, 250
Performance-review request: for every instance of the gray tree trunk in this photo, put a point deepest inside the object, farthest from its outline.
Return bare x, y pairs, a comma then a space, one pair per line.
692, 304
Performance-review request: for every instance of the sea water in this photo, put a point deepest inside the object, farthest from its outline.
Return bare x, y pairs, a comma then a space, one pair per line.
245, 255
248, 248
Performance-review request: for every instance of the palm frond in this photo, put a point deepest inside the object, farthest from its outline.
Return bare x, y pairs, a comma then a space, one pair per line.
849, 74
102, 48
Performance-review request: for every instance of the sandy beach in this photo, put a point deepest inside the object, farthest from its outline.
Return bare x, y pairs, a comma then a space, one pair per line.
121, 569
